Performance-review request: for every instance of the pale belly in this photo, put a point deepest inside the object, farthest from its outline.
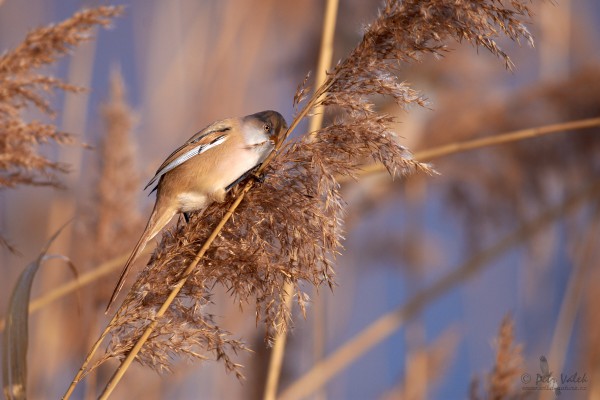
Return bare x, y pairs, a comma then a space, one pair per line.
192, 201
203, 191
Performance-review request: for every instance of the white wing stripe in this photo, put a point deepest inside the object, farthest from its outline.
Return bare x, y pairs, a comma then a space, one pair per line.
186, 156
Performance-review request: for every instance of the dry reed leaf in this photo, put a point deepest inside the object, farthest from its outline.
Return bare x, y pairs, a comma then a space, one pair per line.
15, 343
289, 228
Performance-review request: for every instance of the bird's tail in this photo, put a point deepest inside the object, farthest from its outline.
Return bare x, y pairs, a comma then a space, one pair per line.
158, 219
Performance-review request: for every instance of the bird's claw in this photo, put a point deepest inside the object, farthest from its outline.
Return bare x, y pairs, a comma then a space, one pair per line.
258, 177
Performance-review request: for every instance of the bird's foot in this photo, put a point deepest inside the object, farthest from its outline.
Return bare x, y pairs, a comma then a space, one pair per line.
258, 177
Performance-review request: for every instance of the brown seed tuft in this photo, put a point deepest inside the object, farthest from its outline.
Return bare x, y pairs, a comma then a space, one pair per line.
21, 88
289, 228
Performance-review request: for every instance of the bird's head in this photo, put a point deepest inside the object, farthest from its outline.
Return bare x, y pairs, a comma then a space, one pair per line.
271, 122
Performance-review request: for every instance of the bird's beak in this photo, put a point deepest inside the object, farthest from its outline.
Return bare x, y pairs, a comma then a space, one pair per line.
281, 134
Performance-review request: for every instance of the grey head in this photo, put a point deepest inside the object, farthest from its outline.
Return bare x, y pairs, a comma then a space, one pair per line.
271, 122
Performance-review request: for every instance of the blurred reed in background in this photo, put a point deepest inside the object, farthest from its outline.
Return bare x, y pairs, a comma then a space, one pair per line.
186, 63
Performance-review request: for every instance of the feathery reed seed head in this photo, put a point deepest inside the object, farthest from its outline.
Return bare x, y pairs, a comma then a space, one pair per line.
507, 368
289, 228
21, 87
118, 216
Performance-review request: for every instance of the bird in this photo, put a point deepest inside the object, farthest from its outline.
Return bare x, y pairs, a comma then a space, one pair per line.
204, 168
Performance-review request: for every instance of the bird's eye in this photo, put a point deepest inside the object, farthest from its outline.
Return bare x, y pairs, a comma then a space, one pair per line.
267, 128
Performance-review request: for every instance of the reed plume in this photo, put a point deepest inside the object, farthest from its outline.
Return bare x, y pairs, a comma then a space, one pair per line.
506, 374
23, 88
289, 228
117, 218
521, 178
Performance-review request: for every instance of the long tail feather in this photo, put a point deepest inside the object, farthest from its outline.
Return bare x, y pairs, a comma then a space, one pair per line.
155, 224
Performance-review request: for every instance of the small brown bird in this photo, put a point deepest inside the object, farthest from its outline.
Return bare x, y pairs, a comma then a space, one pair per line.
204, 169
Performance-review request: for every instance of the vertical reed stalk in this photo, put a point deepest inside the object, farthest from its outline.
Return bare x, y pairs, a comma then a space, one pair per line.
583, 260
316, 121
425, 155
389, 323
325, 58
276, 360
190, 269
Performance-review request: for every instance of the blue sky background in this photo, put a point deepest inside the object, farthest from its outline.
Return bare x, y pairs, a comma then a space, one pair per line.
179, 80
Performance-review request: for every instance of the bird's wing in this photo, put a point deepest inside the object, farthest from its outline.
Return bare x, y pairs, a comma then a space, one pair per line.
207, 138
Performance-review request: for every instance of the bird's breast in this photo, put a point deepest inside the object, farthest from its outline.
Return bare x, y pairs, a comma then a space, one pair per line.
204, 178
233, 165
192, 201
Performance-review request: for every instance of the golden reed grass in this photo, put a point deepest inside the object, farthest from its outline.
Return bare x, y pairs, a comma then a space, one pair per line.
116, 262
49, 177
117, 215
25, 90
507, 370
389, 323
23, 87
294, 235
315, 124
